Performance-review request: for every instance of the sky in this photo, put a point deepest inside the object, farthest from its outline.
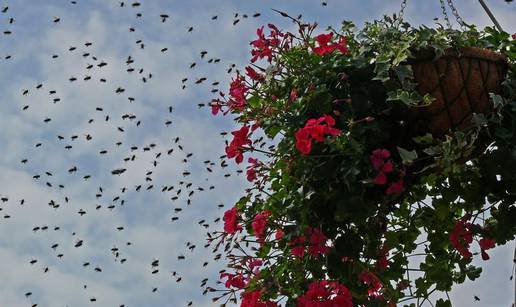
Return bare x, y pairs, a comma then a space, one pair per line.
104, 212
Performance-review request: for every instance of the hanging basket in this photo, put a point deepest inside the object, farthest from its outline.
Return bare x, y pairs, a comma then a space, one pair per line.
460, 81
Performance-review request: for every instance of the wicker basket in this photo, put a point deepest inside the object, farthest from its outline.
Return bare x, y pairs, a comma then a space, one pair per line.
460, 82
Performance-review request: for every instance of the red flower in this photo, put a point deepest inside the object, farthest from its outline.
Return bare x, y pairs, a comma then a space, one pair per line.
263, 47
251, 171
237, 92
374, 283
461, 237
235, 148
380, 179
303, 141
315, 129
485, 244
324, 40
326, 45
378, 158
317, 243
234, 280
253, 299
253, 74
325, 294
299, 247
231, 221
395, 187
259, 224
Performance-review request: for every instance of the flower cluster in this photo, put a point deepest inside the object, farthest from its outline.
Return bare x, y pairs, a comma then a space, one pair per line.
462, 236
315, 129
263, 47
332, 211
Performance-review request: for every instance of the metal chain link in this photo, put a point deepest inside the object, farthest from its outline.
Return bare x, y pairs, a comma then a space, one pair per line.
456, 14
445, 14
401, 12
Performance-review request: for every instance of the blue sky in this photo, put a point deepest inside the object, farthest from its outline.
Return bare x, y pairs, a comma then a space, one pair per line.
145, 215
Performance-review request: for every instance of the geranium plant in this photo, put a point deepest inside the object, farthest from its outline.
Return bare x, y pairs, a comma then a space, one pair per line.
351, 206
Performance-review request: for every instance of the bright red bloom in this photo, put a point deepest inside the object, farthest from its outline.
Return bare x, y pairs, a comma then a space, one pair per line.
231, 221
253, 299
253, 74
326, 45
259, 224
237, 92
235, 148
325, 294
374, 283
315, 129
461, 237
395, 187
234, 280
485, 244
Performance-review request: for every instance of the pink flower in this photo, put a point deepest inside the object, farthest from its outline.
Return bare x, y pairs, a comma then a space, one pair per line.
231, 221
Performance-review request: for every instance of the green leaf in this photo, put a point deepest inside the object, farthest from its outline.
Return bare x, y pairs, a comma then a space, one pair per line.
407, 156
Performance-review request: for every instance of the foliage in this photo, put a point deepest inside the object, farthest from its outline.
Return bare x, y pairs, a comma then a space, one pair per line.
350, 204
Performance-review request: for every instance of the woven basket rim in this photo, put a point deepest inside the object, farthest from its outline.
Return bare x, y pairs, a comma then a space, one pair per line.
466, 52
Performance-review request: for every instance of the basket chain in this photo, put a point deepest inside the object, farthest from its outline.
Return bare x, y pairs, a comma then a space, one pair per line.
456, 14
